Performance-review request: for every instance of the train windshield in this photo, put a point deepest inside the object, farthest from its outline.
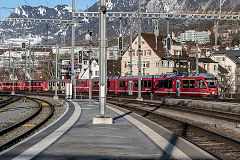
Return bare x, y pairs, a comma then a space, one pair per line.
211, 82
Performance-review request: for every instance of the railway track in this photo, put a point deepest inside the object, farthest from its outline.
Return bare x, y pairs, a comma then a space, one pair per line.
220, 115
27, 126
220, 146
8, 100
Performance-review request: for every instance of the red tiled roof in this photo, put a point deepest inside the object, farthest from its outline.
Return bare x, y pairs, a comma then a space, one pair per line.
150, 40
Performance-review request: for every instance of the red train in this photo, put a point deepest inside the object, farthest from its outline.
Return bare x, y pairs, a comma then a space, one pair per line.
197, 85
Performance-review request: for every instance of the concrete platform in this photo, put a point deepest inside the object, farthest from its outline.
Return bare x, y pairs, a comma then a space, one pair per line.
130, 136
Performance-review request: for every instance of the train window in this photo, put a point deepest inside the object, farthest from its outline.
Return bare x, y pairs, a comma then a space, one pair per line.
164, 84
108, 83
27, 84
202, 84
95, 84
121, 83
136, 84
146, 84
188, 83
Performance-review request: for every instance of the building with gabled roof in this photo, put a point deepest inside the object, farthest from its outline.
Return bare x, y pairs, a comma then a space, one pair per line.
230, 61
154, 59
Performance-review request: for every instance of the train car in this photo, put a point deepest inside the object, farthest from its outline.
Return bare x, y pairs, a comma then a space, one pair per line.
95, 85
194, 85
82, 85
8, 85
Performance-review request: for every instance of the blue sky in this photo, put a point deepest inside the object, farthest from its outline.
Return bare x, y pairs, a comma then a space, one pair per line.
5, 12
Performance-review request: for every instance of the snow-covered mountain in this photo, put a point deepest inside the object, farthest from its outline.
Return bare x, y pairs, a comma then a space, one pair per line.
51, 33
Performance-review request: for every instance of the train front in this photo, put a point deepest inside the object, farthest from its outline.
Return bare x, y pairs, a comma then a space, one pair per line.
212, 86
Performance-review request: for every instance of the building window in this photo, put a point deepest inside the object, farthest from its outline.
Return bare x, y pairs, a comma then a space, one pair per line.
96, 73
85, 62
214, 67
111, 54
144, 64
177, 53
229, 68
128, 64
148, 52
205, 66
94, 64
157, 64
169, 64
162, 64
223, 58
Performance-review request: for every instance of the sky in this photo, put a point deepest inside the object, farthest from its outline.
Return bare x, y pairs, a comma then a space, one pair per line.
7, 5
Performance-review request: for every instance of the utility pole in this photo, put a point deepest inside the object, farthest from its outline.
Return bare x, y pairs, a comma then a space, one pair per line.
33, 69
73, 44
25, 53
216, 34
56, 73
168, 35
4, 67
197, 56
90, 65
121, 51
9, 62
131, 51
139, 53
13, 92
29, 59
102, 117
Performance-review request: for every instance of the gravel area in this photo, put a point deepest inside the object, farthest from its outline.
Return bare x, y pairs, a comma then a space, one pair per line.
220, 126
59, 110
30, 109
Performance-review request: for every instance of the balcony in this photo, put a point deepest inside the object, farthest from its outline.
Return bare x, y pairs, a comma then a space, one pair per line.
68, 65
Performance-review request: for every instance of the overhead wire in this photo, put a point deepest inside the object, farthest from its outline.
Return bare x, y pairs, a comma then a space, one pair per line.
26, 2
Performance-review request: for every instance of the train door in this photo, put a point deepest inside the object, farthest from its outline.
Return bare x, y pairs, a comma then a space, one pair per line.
177, 88
130, 88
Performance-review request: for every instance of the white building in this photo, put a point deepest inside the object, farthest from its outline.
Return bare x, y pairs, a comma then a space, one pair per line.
192, 35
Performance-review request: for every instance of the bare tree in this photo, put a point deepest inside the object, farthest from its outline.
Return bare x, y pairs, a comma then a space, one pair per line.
46, 67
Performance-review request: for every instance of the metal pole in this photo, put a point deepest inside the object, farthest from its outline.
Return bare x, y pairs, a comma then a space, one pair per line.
33, 60
103, 59
56, 73
139, 53
73, 43
131, 51
9, 62
197, 56
90, 66
25, 53
24, 36
4, 67
168, 28
29, 59
220, 6
13, 93
216, 35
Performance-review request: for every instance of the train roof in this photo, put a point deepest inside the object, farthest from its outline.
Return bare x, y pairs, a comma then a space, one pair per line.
204, 75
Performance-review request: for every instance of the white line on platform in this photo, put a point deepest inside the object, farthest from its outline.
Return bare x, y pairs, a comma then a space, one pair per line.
158, 139
39, 147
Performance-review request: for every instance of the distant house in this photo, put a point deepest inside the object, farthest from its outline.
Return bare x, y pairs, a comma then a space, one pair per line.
152, 59
230, 61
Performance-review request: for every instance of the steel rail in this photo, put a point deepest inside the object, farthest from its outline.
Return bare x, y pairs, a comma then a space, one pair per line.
28, 132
